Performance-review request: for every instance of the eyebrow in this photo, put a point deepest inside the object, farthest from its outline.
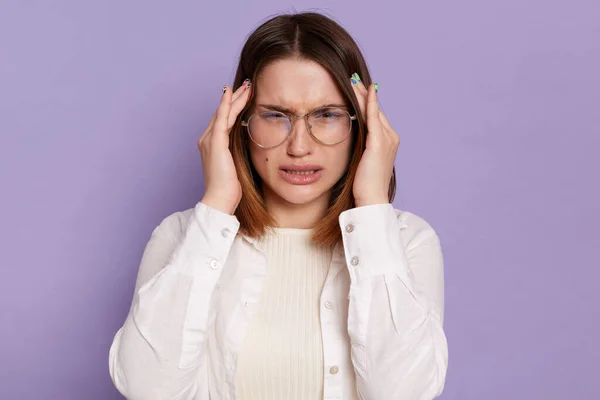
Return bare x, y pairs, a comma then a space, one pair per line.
291, 111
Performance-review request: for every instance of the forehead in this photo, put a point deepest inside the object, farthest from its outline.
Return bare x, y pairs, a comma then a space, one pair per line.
299, 85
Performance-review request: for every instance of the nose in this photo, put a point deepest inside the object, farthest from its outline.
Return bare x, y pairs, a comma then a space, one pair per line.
300, 143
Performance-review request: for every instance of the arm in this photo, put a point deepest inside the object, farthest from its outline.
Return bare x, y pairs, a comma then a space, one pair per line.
159, 353
395, 316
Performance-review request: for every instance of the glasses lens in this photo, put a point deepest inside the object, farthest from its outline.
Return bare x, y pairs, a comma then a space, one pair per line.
268, 129
330, 125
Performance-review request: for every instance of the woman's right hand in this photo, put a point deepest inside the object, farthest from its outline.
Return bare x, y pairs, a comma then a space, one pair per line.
223, 188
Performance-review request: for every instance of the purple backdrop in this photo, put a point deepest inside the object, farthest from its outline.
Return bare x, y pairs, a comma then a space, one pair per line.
498, 109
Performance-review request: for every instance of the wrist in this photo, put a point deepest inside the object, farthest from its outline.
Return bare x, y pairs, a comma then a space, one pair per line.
371, 201
218, 204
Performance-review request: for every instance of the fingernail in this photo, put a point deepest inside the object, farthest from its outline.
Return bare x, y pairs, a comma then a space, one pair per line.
376, 87
354, 82
247, 84
356, 77
224, 88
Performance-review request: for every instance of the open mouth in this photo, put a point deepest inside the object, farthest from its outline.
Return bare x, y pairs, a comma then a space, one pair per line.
301, 175
296, 172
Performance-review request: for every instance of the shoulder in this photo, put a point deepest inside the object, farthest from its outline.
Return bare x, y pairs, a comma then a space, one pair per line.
415, 228
174, 225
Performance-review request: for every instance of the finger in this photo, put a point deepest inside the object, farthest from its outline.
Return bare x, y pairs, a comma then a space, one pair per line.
374, 124
204, 136
388, 128
360, 95
237, 106
359, 84
222, 114
211, 123
240, 91
384, 120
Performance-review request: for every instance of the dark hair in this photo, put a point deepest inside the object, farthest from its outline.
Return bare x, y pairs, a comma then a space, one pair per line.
306, 36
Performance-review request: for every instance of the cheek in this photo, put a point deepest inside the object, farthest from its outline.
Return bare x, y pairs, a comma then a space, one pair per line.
339, 158
345, 154
261, 161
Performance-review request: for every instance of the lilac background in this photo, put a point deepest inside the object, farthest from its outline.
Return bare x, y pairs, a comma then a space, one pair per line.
497, 104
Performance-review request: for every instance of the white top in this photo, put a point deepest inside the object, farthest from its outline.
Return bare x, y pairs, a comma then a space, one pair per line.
199, 283
282, 353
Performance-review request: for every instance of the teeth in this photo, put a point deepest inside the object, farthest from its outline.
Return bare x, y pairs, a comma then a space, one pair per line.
300, 172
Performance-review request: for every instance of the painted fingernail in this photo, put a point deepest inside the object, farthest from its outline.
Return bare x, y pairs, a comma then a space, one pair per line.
354, 82
356, 77
376, 87
224, 88
247, 84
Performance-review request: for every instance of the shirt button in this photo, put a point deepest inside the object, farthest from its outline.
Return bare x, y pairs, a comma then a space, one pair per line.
328, 304
334, 370
354, 261
349, 228
225, 232
214, 264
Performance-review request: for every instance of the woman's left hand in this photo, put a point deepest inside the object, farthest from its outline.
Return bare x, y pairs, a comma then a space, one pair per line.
372, 180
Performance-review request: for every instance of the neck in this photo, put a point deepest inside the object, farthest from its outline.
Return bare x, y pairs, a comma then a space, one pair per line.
298, 216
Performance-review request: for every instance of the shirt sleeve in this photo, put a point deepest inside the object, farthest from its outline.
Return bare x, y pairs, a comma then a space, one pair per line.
395, 316
159, 352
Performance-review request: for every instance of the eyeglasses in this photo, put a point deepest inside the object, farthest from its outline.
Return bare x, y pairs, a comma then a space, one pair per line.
327, 125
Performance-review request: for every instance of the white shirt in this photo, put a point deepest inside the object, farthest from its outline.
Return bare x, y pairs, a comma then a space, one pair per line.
282, 353
199, 282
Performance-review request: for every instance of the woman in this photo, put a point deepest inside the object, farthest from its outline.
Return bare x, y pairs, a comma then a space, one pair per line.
293, 277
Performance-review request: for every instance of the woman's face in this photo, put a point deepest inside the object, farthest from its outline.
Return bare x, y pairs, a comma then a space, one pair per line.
298, 86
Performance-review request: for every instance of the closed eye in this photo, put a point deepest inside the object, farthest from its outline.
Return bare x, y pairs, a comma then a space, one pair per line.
328, 114
272, 115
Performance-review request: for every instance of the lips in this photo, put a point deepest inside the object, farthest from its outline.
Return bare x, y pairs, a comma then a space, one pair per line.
301, 168
300, 174
290, 171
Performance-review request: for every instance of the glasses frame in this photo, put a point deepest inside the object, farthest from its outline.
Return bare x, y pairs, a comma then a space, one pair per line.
291, 118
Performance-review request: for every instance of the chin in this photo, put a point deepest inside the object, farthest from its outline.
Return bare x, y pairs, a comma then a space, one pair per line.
298, 195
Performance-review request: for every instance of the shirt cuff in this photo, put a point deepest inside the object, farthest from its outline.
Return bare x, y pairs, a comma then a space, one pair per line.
209, 236
373, 244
